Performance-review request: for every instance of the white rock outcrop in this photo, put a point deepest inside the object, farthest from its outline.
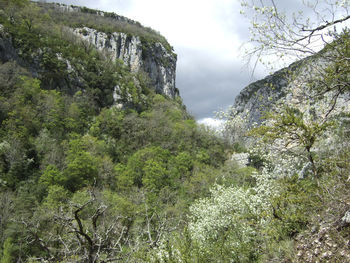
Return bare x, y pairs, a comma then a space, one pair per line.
242, 159
153, 59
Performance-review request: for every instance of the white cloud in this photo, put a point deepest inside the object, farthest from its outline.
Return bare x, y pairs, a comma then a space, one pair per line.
212, 123
193, 24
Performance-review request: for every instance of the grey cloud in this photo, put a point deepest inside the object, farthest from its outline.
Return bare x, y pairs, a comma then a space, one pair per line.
208, 83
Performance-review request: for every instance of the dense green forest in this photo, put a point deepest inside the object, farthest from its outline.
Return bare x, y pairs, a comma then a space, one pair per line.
83, 180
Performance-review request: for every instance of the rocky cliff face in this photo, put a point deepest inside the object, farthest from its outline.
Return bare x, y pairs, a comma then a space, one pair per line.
152, 58
291, 86
260, 96
138, 49
7, 52
141, 55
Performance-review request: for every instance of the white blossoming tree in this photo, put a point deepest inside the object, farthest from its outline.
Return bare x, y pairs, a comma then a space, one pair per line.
231, 220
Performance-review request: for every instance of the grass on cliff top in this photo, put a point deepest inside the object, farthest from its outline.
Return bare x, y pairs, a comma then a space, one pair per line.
108, 23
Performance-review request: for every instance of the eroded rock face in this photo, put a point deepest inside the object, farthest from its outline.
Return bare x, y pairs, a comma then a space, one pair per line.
151, 58
263, 95
242, 159
292, 87
260, 96
7, 52
118, 45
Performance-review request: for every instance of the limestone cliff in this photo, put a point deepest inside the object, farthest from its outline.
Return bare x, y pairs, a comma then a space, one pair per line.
291, 86
152, 58
136, 51
7, 51
140, 49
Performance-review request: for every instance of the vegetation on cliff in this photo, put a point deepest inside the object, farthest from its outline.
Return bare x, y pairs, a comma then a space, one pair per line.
81, 179
85, 180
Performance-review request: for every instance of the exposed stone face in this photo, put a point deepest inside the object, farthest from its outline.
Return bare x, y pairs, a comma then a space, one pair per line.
158, 62
259, 97
263, 95
118, 45
153, 59
291, 86
242, 159
161, 67
7, 52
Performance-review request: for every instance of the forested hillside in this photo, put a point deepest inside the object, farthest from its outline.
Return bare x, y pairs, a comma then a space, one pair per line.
100, 162
84, 178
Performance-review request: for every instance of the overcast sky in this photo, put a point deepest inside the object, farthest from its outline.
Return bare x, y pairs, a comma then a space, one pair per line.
206, 35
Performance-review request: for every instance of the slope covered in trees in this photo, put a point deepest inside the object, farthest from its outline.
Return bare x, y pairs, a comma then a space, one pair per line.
84, 179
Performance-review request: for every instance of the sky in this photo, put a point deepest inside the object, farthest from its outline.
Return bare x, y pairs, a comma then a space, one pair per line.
207, 36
